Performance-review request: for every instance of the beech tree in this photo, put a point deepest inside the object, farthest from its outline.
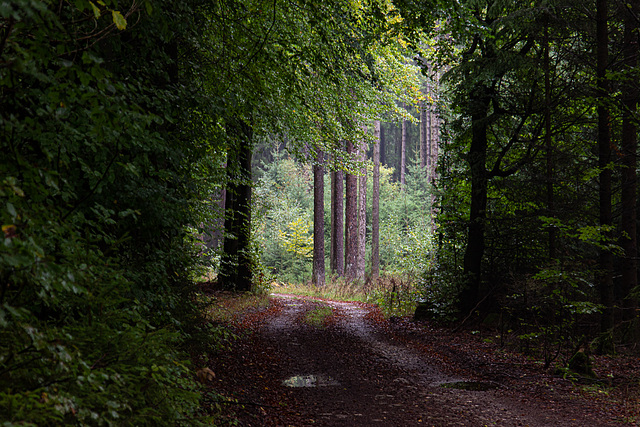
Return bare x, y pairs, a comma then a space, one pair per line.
236, 264
604, 159
629, 153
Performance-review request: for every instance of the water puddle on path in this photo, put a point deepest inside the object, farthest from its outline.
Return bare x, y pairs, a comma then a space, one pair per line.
310, 381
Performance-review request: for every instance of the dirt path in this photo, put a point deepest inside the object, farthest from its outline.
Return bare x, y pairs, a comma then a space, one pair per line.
302, 366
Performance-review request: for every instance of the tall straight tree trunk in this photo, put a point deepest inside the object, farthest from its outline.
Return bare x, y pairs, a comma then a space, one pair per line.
434, 134
318, 221
547, 143
375, 205
423, 134
332, 259
604, 158
351, 221
629, 162
397, 145
403, 150
477, 157
362, 211
383, 157
337, 223
235, 265
429, 141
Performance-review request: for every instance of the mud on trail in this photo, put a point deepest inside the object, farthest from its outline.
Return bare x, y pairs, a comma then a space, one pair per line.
310, 362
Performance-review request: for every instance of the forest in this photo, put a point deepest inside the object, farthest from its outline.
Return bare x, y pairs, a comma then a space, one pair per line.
474, 161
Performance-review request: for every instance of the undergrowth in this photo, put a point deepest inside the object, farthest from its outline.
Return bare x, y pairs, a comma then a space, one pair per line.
396, 296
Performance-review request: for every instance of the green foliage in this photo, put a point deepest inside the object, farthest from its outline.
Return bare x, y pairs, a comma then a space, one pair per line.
550, 310
405, 223
283, 215
284, 212
98, 187
297, 238
395, 295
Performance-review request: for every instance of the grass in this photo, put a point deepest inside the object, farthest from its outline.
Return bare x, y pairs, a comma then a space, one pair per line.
223, 306
318, 316
396, 296
336, 290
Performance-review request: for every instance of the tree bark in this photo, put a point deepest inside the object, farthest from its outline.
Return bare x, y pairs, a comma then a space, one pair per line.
548, 145
337, 223
403, 150
423, 134
318, 278
477, 215
351, 221
605, 281
375, 205
235, 265
383, 157
332, 225
629, 145
362, 211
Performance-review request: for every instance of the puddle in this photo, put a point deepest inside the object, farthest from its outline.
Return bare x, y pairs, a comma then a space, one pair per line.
471, 385
310, 381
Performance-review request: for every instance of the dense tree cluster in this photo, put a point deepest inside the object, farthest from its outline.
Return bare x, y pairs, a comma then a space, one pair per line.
537, 189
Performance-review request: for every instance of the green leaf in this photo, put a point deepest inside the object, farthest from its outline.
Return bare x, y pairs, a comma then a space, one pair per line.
96, 10
12, 210
119, 20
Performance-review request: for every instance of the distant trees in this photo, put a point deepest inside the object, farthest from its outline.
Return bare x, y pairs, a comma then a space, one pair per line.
337, 222
318, 277
293, 83
375, 204
351, 220
362, 210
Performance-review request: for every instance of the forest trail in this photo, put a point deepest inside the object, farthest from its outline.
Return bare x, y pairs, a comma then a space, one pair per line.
315, 362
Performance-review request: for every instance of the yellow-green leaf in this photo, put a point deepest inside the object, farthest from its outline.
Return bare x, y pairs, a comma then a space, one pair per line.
119, 20
96, 10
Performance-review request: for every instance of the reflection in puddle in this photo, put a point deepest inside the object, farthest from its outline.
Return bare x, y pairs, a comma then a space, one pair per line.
309, 381
471, 385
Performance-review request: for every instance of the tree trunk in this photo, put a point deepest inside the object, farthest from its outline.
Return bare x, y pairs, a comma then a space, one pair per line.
403, 150
235, 265
547, 143
337, 223
477, 215
423, 134
375, 205
629, 163
318, 221
604, 158
362, 211
383, 157
351, 220
332, 223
